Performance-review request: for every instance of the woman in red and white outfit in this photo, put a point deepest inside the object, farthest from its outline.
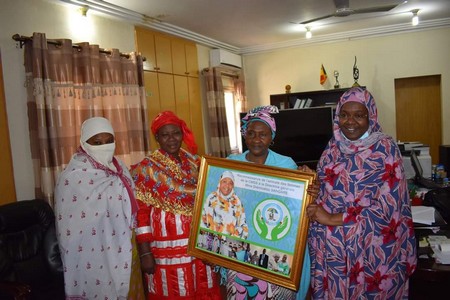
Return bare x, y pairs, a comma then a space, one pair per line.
166, 183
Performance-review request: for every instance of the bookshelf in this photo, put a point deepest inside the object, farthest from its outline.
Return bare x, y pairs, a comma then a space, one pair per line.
319, 98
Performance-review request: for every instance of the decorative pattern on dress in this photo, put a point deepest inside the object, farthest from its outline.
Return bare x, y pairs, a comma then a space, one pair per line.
225, 214
166, 184
165, 192
94, 223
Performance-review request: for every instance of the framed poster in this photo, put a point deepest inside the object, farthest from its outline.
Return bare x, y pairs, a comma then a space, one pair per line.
252, 219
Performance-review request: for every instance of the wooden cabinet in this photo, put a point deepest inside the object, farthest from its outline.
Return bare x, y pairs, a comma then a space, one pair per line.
171, 80
152, 97
166, 92
196, 112
184, 57
163, 52
191, 59
156, 49
182, 97
146, 47
179, 58
319, 98
187, 93
160, 95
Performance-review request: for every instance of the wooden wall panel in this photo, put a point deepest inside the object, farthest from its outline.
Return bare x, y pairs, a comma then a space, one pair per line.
7, 186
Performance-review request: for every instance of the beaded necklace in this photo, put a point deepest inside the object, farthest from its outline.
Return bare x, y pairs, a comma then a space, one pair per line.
161, 194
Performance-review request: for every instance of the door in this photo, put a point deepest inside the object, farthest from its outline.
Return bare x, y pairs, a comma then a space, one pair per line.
7, 187
418, 111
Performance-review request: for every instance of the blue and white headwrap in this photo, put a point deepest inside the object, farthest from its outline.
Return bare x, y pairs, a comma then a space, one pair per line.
263, 114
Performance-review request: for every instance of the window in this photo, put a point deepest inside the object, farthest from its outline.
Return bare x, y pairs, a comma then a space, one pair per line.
232, 108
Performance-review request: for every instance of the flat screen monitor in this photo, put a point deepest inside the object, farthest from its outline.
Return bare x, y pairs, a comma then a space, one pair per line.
418, 178
302, 134
416, 165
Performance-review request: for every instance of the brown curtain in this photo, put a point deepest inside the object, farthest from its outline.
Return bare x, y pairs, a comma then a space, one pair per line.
239, 90
68, 84
220, 142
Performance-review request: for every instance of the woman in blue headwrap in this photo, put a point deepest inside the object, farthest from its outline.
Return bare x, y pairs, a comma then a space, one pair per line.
258, 129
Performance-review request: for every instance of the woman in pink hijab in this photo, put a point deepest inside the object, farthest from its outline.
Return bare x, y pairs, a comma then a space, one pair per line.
361, 236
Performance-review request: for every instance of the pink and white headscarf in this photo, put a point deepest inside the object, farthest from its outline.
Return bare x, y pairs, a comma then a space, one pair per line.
363, 96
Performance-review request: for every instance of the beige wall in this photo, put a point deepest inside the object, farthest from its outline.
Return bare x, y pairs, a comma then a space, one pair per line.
380, 60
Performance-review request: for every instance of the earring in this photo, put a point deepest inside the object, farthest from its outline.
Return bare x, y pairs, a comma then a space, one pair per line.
271, 144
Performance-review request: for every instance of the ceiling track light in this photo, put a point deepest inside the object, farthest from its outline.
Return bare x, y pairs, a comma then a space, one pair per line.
415, 18
112, 10
308, 33
83, 10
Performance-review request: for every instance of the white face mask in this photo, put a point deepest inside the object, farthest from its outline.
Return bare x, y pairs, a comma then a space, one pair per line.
102, 153
366, 134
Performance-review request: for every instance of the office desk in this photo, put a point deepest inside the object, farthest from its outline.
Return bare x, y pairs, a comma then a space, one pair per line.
430, 280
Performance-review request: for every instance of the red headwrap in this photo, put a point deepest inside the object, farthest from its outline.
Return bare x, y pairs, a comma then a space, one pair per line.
168, 117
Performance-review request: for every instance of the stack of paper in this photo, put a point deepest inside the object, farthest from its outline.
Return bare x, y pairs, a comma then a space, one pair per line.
441, 248
423, 214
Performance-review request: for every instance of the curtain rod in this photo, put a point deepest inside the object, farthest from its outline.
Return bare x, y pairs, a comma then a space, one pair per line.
22, 39
229, 73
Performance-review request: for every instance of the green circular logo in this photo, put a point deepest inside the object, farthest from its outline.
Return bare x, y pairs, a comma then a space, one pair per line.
271, 219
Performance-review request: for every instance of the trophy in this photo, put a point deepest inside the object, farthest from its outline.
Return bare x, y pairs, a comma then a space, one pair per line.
355, 74
336, 75
288, 88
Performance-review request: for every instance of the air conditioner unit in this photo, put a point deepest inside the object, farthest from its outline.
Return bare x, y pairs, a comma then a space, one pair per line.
220, 57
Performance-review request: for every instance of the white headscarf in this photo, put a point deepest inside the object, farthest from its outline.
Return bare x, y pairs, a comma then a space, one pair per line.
226, 174
102, 153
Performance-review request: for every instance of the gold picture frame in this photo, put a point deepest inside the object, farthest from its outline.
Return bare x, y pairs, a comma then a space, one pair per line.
274, 204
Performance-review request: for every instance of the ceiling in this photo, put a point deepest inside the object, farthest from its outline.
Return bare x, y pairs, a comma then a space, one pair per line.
247, 26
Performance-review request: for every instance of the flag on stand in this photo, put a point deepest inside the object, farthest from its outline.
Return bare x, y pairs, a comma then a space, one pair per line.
323, 75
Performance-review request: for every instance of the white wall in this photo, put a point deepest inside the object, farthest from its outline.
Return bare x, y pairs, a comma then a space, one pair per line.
380, 60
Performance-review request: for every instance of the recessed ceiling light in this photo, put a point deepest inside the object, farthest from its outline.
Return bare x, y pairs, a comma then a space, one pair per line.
308, 33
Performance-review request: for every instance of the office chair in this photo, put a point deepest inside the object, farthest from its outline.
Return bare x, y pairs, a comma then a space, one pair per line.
30, 263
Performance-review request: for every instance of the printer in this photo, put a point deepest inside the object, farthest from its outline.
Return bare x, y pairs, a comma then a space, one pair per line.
423, 154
